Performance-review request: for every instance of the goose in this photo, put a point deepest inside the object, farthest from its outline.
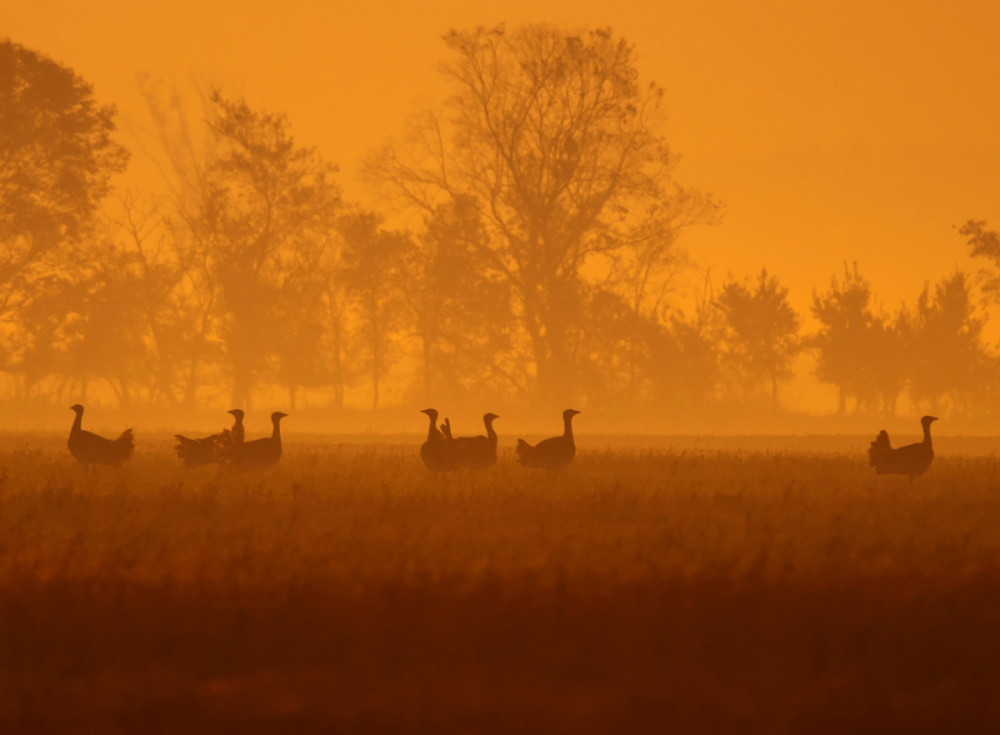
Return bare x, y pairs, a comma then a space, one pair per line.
90, 449
478, 452
436, 452
259, 452
195, 452
911, 460
553, 453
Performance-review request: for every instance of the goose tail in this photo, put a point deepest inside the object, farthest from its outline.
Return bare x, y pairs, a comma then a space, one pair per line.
125, 445
879, 450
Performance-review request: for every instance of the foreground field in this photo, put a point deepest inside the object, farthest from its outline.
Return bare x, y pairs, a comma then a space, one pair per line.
680, 589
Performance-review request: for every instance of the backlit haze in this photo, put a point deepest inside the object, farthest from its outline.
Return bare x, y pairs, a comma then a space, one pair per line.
830, 132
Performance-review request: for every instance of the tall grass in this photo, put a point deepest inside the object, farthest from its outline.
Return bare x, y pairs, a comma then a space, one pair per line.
349, 590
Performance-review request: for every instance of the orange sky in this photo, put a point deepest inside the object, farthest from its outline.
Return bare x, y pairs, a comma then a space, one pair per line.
831, 133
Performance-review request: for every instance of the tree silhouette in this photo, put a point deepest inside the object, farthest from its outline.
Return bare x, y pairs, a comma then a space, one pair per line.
620, 344
41, 334
111, 331
372, 268
947, 359
761, 337
87, 322
301, 349
266, 201
984, 243
335, 302
145, 234
185, 149
57, 157
462, 315
562, 147
858, 350
686, 360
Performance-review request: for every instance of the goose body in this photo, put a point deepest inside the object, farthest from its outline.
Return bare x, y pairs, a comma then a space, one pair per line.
195, 452
436, 452
911, 460
478, 452
89, 448
259, 452
554, 453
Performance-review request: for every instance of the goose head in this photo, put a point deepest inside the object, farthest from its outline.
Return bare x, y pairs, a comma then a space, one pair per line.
277, 416
77, 409
432, 412
489, 418
569, 413
237, 413
927, 421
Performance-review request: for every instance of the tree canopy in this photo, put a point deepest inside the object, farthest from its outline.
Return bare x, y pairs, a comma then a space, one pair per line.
542, 267
761, 334
563, 148
57, 157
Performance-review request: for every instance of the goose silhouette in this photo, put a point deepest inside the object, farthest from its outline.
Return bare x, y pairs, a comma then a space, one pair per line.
437, 451
259, 452
554, 453
911, 460
91, 449
478, 452
208, 449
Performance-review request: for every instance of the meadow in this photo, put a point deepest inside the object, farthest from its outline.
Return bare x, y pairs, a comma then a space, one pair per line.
691, 586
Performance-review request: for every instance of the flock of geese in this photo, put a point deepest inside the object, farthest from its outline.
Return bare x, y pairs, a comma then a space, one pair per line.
228, 447
441, 452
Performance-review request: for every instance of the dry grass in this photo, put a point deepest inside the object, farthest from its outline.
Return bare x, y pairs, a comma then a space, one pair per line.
348, 590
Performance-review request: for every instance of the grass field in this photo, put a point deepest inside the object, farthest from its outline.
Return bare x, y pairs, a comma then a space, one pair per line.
691, 587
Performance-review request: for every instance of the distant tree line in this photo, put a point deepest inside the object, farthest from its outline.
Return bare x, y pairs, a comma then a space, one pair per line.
541, 262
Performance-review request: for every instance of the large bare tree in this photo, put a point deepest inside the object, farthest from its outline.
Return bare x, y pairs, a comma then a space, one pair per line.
563, 147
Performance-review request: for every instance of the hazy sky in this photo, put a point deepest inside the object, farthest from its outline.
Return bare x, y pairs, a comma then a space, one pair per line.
832, 131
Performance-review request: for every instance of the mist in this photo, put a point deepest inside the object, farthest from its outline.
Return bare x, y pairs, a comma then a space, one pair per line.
524, 247
389, 368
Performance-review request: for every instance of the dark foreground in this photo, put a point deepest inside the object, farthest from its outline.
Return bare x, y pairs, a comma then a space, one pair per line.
348, 591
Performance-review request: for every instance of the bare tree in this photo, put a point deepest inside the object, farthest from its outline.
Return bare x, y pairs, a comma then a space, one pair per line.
555, 137
183, 150
985, 243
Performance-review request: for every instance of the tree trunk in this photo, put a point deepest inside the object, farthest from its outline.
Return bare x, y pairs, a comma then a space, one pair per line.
242, 386
338, 365
191, 384
376, 353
